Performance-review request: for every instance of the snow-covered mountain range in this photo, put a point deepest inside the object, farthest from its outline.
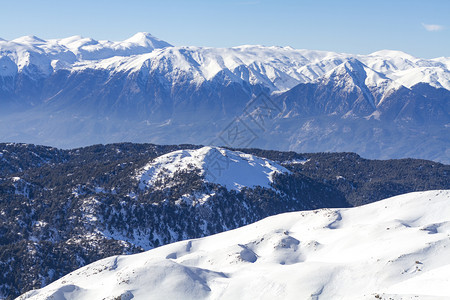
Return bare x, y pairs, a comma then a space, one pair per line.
278, 68
391, 249
78, 91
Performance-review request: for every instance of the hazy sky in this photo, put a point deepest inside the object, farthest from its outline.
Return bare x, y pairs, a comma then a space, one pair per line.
419, 27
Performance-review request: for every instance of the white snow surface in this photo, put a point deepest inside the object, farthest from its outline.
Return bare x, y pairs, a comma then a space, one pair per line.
278, 68
396, 248
231, 169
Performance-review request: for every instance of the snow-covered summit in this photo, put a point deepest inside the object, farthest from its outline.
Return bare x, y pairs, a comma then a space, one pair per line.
392, 249
231, 169
29, 39
71, 50
145, 39
89, 49
392, 53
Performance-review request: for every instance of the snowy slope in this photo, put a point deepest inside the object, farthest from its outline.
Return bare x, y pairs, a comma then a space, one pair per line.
393, 249
231, 169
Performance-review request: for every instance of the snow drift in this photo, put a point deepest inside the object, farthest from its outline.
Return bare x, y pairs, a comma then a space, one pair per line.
394, 249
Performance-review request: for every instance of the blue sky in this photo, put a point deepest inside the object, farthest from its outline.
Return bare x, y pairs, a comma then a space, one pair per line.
421, 28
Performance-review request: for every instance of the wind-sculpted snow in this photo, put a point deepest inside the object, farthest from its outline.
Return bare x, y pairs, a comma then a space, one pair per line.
231, 169
393, 249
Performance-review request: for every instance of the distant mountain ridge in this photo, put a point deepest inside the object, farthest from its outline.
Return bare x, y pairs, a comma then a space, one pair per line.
78, 91
279, 68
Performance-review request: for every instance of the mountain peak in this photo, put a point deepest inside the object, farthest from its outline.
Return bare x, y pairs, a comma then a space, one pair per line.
392, 54
29, 39
231, 169
361, 73
145, 39
352, 67
142, 35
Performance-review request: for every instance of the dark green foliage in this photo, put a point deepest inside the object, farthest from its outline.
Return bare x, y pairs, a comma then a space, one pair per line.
364, 181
